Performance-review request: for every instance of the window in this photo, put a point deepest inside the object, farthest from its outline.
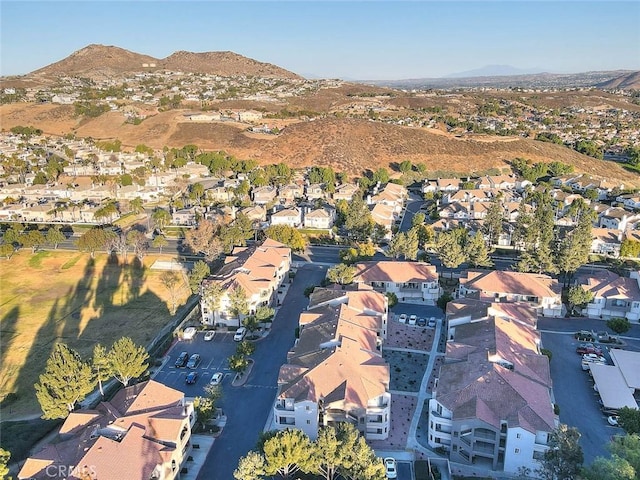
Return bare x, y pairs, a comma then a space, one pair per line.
517, 450
307, 408
517, 435
308, 422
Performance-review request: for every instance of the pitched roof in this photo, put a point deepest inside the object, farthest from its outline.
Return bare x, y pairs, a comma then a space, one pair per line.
398, 272
606, 284
531, 284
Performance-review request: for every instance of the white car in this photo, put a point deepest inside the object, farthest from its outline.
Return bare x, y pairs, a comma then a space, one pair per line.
189, 333
589, 358
403, 318
431, 323
613, 420
413, 319
216, 379
240, 334
390, 467
209, 335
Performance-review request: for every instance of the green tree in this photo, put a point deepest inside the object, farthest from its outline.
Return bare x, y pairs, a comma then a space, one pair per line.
418, 219
630, 248
205, 406
563, 459
449, 250
212, 294
358, 221
331, 452
32, 239
136, 205
366, 250
477, 252
342, 274
238, 363
381, 175
159, 241
264, 313
619, 325
94, 239
411, 244
245, 348
161, 218
492, 225
54, 237
4, 462
614, 468
251, 323
629, 420
575, 247
127, 360
199, 272
66, 381
101, 366
364, 465
288, 452
578, 296
405, 166
397, 246
7, 250
627, 447
238, 302
250, 467
287, 235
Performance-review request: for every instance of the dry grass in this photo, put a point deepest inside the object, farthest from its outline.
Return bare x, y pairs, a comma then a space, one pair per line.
65, 297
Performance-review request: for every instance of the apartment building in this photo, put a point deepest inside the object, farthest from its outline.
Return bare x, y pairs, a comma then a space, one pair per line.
257, 270
410, 281
143, 432
613, 295
491, 404
335, 372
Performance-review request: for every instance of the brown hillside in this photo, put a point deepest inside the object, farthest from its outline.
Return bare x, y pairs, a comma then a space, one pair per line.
95, 61
628, 81
345, 144
222, 63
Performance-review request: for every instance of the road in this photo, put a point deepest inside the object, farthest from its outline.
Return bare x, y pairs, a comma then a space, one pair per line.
248, 407
410, 210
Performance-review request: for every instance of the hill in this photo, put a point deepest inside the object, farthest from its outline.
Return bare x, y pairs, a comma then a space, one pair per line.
628, 81
100, 61
348, 145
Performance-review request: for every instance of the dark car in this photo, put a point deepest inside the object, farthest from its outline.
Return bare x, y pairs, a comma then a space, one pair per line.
182, 359
191, 378
194, 361
422, 322
588, 348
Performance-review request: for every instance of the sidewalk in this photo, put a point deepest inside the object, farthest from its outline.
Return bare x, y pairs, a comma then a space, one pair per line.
199, 455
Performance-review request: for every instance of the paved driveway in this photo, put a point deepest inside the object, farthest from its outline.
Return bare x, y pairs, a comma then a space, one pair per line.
248, 407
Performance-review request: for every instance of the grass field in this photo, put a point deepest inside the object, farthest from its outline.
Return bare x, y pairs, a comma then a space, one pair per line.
56, 296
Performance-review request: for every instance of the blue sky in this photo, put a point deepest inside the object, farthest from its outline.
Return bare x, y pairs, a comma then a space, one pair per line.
354, 40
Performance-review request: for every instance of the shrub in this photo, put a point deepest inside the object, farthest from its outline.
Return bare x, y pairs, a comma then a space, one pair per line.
547, 353
393, 299
619, 325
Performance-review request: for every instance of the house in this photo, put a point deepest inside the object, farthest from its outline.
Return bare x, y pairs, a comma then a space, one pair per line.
219, 194
476, 195
409, 281
606, 241
264, 195
256, 214
346, 191
289, 193
322, 218
143, 432
500, 182
288, 216
185, 216
617, 218
335, 371
258, 270
384, 215
448, 184
630, 201
539, 290
613, 295
315, 191
492, 404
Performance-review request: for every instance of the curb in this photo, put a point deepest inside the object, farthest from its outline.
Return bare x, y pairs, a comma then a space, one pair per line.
238, 380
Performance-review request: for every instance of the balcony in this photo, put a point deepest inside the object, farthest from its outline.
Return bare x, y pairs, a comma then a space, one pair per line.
375, 419
439, 415
285, 406
285, 420
484, 434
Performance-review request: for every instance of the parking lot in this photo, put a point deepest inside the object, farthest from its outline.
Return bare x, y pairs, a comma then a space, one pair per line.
213, 355
421, 311
574, 394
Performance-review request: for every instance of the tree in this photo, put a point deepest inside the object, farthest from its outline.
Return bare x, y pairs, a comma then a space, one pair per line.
630, 248
629, 420
411, 244
619, 325
4, 461
614, 468
94, 239
250, 467
136, 205
575, 247
204, 239
54, 237
199, 272
238, 303
405, 166
205, 406
492, 225
138, 241
627, 447
238, 363
127, 360
65, 381
364, 465
397, 245
418, 219
32, 239
245, 348
578, 296
171, 281
563, 459
7, 250
477, 252
341, 273
358, 221
161, 218
159, 241
287, 235
212, 294
264, 313
287, 453
101, 366
329, 453
449, 250
251, 323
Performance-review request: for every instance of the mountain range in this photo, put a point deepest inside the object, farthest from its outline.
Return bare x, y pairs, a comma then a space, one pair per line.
494, 71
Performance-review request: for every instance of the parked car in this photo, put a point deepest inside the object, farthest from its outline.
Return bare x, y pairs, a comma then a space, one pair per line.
413, 319
589, 358
216, 379
390, 467
191, 378
584, 336
194, 361
182, 359
402, 318
240, 334
422, 322
432, 323
588, 348
209, 335
613, 420
189, 333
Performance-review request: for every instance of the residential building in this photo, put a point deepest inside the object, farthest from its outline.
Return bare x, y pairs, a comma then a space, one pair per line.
617, 218
264, 195
144, 432
539, 290
606, 241
288, 216
289, 193
492, 404
346, 191
613, 295
185, 216
335, 372
384, 215
256, 214
257, 270
322, 218
315, 191
409, 281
